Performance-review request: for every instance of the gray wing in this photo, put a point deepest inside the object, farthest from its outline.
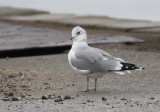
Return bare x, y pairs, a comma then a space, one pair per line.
95, 60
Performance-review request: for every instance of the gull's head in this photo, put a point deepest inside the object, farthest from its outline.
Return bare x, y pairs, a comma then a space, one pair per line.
79, 34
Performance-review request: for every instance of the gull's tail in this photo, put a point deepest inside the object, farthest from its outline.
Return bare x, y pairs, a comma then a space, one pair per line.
126, 67
129, 66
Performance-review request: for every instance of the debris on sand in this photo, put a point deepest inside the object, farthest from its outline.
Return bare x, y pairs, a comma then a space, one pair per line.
107, 103
152, 98
44, 97
11, 94
6, 99
58, 100
88, 101
131, 105
77, 95
22, 96
123, 99
59, 97
104, 99
83, 103
67, 84
67, 97
15, 99
45, 83
51, 96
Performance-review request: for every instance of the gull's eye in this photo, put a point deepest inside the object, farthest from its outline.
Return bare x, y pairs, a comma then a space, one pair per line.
78, 33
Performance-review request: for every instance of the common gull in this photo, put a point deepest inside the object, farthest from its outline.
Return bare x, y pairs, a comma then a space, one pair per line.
93, 62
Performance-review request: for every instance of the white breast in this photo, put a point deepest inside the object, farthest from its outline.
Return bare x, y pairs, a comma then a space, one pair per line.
71, 55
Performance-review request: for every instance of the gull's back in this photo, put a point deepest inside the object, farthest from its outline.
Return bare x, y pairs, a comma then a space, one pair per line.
92, 59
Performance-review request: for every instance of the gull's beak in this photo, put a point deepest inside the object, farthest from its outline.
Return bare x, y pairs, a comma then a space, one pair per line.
71, 38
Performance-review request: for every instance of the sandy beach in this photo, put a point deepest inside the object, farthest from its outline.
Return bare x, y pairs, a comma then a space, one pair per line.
47, 83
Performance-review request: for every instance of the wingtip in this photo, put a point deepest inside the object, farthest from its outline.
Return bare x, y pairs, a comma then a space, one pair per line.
140, 68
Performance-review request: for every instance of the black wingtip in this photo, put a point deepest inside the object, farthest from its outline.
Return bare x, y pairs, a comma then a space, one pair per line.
142, 68
129, 66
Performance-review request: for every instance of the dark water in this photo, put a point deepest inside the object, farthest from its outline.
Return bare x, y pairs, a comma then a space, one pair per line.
130, 9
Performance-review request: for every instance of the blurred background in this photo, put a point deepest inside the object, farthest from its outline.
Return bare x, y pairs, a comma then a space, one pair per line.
128, 9
121, 18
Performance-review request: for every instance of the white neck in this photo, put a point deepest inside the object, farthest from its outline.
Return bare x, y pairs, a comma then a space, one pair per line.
79, 44
80, 38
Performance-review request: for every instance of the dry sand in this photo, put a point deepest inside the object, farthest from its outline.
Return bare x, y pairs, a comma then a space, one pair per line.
27, 79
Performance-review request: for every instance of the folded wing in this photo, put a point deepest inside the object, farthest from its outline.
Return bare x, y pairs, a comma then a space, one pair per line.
95, 60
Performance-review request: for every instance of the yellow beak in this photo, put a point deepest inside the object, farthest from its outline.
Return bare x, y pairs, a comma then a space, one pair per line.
71, 38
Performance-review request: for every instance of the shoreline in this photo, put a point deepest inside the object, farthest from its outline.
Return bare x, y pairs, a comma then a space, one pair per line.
92, 22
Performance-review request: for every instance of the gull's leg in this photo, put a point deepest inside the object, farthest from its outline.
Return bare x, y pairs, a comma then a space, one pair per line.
95, 87
87, 84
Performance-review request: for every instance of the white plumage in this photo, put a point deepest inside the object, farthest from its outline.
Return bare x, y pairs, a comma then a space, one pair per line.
94, 62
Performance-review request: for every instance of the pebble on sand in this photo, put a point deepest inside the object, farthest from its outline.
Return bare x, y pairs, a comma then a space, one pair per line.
44, 97
83, 103
11, 94
58, 100
67, 97
104, 99
6, 99
77, 95
123, 99
15, 99
51, 96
